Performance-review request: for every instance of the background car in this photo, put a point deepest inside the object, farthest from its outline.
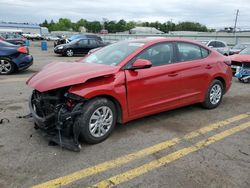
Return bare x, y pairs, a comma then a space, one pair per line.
125, 81
14, 58
64, 40
33, 36
51, 38
218, 45
241, 60
238, 48
78, 46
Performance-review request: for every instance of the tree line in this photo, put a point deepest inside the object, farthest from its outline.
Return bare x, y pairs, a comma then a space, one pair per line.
65, 24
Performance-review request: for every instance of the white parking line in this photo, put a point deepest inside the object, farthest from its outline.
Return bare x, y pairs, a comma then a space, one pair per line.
22, 79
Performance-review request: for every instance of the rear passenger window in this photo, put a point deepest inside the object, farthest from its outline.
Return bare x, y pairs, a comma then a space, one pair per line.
188, 52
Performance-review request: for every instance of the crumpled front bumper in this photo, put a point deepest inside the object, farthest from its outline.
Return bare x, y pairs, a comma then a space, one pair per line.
60, 128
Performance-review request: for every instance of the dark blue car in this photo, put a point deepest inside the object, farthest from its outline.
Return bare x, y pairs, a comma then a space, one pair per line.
13, 58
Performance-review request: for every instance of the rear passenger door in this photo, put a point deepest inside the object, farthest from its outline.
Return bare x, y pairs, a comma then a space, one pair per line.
195, 71
82, 46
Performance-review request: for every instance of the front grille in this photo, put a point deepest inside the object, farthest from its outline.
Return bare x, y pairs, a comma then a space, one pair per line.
41, 106
236, 63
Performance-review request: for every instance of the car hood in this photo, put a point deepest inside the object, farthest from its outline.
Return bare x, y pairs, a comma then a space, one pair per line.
57, 75
240, 58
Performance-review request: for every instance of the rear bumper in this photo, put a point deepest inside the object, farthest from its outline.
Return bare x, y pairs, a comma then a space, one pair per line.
24, 61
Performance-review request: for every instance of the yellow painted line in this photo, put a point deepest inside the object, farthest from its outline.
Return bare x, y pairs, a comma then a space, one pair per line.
128, 175
64, 180
13, 80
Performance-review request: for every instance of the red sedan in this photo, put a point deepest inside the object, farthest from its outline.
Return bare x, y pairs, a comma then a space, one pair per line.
125, 81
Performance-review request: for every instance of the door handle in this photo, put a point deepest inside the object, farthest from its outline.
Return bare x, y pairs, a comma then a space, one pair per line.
172, 74
208, 67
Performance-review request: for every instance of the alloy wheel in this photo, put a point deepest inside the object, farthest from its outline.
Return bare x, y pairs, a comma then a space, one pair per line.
5, 66
69, 53
100, 121
215, 94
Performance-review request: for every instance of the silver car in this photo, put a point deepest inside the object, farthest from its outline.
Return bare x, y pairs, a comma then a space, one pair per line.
218, 45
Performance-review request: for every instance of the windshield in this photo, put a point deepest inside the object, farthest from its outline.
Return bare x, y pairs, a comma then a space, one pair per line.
241, 46
113, 54
245, 51
74, 37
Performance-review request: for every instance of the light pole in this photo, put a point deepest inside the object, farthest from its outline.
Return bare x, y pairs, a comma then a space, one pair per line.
235, 24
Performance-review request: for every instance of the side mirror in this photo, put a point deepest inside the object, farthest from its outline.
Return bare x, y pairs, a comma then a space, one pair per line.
141, 64
210, 46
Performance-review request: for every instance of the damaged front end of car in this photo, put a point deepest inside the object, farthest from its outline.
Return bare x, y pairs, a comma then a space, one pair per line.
56, 112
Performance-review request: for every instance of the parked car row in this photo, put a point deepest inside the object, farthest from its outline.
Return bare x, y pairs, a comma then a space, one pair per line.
13, 38
33, 36
223, 48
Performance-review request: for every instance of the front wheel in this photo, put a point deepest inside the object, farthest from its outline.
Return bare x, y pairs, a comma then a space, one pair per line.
69, 52
214, 95
98, 120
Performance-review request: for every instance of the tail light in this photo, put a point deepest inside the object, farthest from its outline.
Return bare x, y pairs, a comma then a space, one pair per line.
23, 50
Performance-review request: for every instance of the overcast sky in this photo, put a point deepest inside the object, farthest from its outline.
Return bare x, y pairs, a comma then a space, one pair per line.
213, 13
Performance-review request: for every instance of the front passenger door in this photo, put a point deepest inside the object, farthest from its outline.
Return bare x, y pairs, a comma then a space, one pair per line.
82, 46
157, 88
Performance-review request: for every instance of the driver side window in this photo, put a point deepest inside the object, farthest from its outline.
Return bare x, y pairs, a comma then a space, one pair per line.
160, 54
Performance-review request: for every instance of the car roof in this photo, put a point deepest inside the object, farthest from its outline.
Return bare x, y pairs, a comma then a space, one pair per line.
152, 40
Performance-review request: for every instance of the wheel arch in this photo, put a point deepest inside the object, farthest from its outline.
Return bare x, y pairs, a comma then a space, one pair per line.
220, 78
116, 103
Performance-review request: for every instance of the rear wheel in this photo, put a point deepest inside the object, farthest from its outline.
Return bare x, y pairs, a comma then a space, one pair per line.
69, 52
6, 66
98, 120
214, 95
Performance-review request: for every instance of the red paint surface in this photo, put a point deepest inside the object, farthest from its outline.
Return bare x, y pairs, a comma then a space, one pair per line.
241, 58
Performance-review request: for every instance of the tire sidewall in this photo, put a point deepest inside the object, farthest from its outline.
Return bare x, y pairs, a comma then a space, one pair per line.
207, 103
84, 119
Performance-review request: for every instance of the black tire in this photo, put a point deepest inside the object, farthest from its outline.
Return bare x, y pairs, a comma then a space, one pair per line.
6, 66
69, 52
213, 103
89, 110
